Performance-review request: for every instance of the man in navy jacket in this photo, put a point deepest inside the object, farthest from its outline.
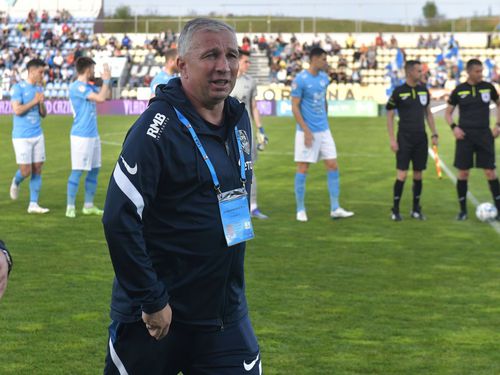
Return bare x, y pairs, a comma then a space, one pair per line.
178, 302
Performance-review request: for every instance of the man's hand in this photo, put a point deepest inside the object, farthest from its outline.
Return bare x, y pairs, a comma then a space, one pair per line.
262, 139
458, 133
394, 145
308, 138
496, 131
106, 72
4, 272
39, 97
158, 323
435, 140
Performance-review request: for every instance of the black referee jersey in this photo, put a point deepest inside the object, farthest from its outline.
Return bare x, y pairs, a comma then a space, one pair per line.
411, 103
474, 104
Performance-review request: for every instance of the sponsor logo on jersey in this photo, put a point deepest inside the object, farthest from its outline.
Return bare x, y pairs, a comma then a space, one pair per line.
156, 127
249, 366
486, 96
423, 99
131, 170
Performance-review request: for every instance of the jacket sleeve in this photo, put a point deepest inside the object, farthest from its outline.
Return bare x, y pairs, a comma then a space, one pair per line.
132, 189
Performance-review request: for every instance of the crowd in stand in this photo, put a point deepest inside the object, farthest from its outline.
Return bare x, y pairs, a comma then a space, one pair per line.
59, 40
287, 58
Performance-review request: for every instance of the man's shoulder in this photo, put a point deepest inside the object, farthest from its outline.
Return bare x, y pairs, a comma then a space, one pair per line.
77, 86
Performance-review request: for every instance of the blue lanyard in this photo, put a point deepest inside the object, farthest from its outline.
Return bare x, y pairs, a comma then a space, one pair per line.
204, 155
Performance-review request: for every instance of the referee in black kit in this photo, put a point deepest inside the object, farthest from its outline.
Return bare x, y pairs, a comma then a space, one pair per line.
412, 102
473, 134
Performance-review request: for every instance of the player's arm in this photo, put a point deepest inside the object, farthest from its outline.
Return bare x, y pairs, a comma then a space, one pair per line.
448, 115
42, 110
300, 120
432, 125
262, 139
103, 93
496, 129
390, 107
20, 109
390, 130
132, 188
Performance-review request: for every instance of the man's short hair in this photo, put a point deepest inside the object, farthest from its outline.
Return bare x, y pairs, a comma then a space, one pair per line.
199, 24
473, 62
170, 54
35, 63
316, 51
243, 53
410, 64
83, 63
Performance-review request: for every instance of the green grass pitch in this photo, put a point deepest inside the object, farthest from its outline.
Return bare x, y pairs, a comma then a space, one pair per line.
359, 296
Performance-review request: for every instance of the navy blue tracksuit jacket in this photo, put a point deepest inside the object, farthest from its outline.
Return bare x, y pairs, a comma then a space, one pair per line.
162, 220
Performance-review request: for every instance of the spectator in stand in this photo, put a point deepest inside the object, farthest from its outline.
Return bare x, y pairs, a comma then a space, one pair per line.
394, 42
371, 57
65, 29
126, 42
336, 48
342, 63
45, 16
421, 42
262, 43
31, 17
379, 41
350, 42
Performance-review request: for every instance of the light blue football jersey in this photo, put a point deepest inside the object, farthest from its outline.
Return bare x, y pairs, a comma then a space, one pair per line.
84, 110
29, 124
161, 78
312, 92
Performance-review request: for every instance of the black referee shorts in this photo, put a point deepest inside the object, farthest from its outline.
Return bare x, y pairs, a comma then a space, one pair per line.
479, 143
194, 351
413, 147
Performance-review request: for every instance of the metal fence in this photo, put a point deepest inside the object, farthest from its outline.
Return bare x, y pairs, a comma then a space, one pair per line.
152, 24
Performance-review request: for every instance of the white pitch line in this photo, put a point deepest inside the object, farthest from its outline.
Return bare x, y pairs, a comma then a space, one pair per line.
111, 143
453, 178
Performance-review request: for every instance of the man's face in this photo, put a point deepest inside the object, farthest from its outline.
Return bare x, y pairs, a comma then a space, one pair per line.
475, 73
319, 62
36, 74
209, 69
415, 73
244, 64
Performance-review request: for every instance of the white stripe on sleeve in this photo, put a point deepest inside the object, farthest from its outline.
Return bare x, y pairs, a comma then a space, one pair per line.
128, 189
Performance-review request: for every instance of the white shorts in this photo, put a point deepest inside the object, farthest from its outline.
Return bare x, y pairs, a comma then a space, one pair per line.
323, 147
85, 153
29, 150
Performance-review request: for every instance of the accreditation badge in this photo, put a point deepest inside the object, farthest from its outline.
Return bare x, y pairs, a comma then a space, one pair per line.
235, 215
423, 99
486, 97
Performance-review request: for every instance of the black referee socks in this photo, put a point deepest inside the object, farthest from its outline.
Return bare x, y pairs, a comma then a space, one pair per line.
398, 192
495, 191
462, 194
417, 191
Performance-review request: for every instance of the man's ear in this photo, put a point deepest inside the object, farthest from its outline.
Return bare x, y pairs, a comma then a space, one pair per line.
181, 66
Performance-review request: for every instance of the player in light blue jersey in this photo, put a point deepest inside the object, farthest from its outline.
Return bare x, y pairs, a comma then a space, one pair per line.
313, 139
27, 136
168, 72
85, 142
